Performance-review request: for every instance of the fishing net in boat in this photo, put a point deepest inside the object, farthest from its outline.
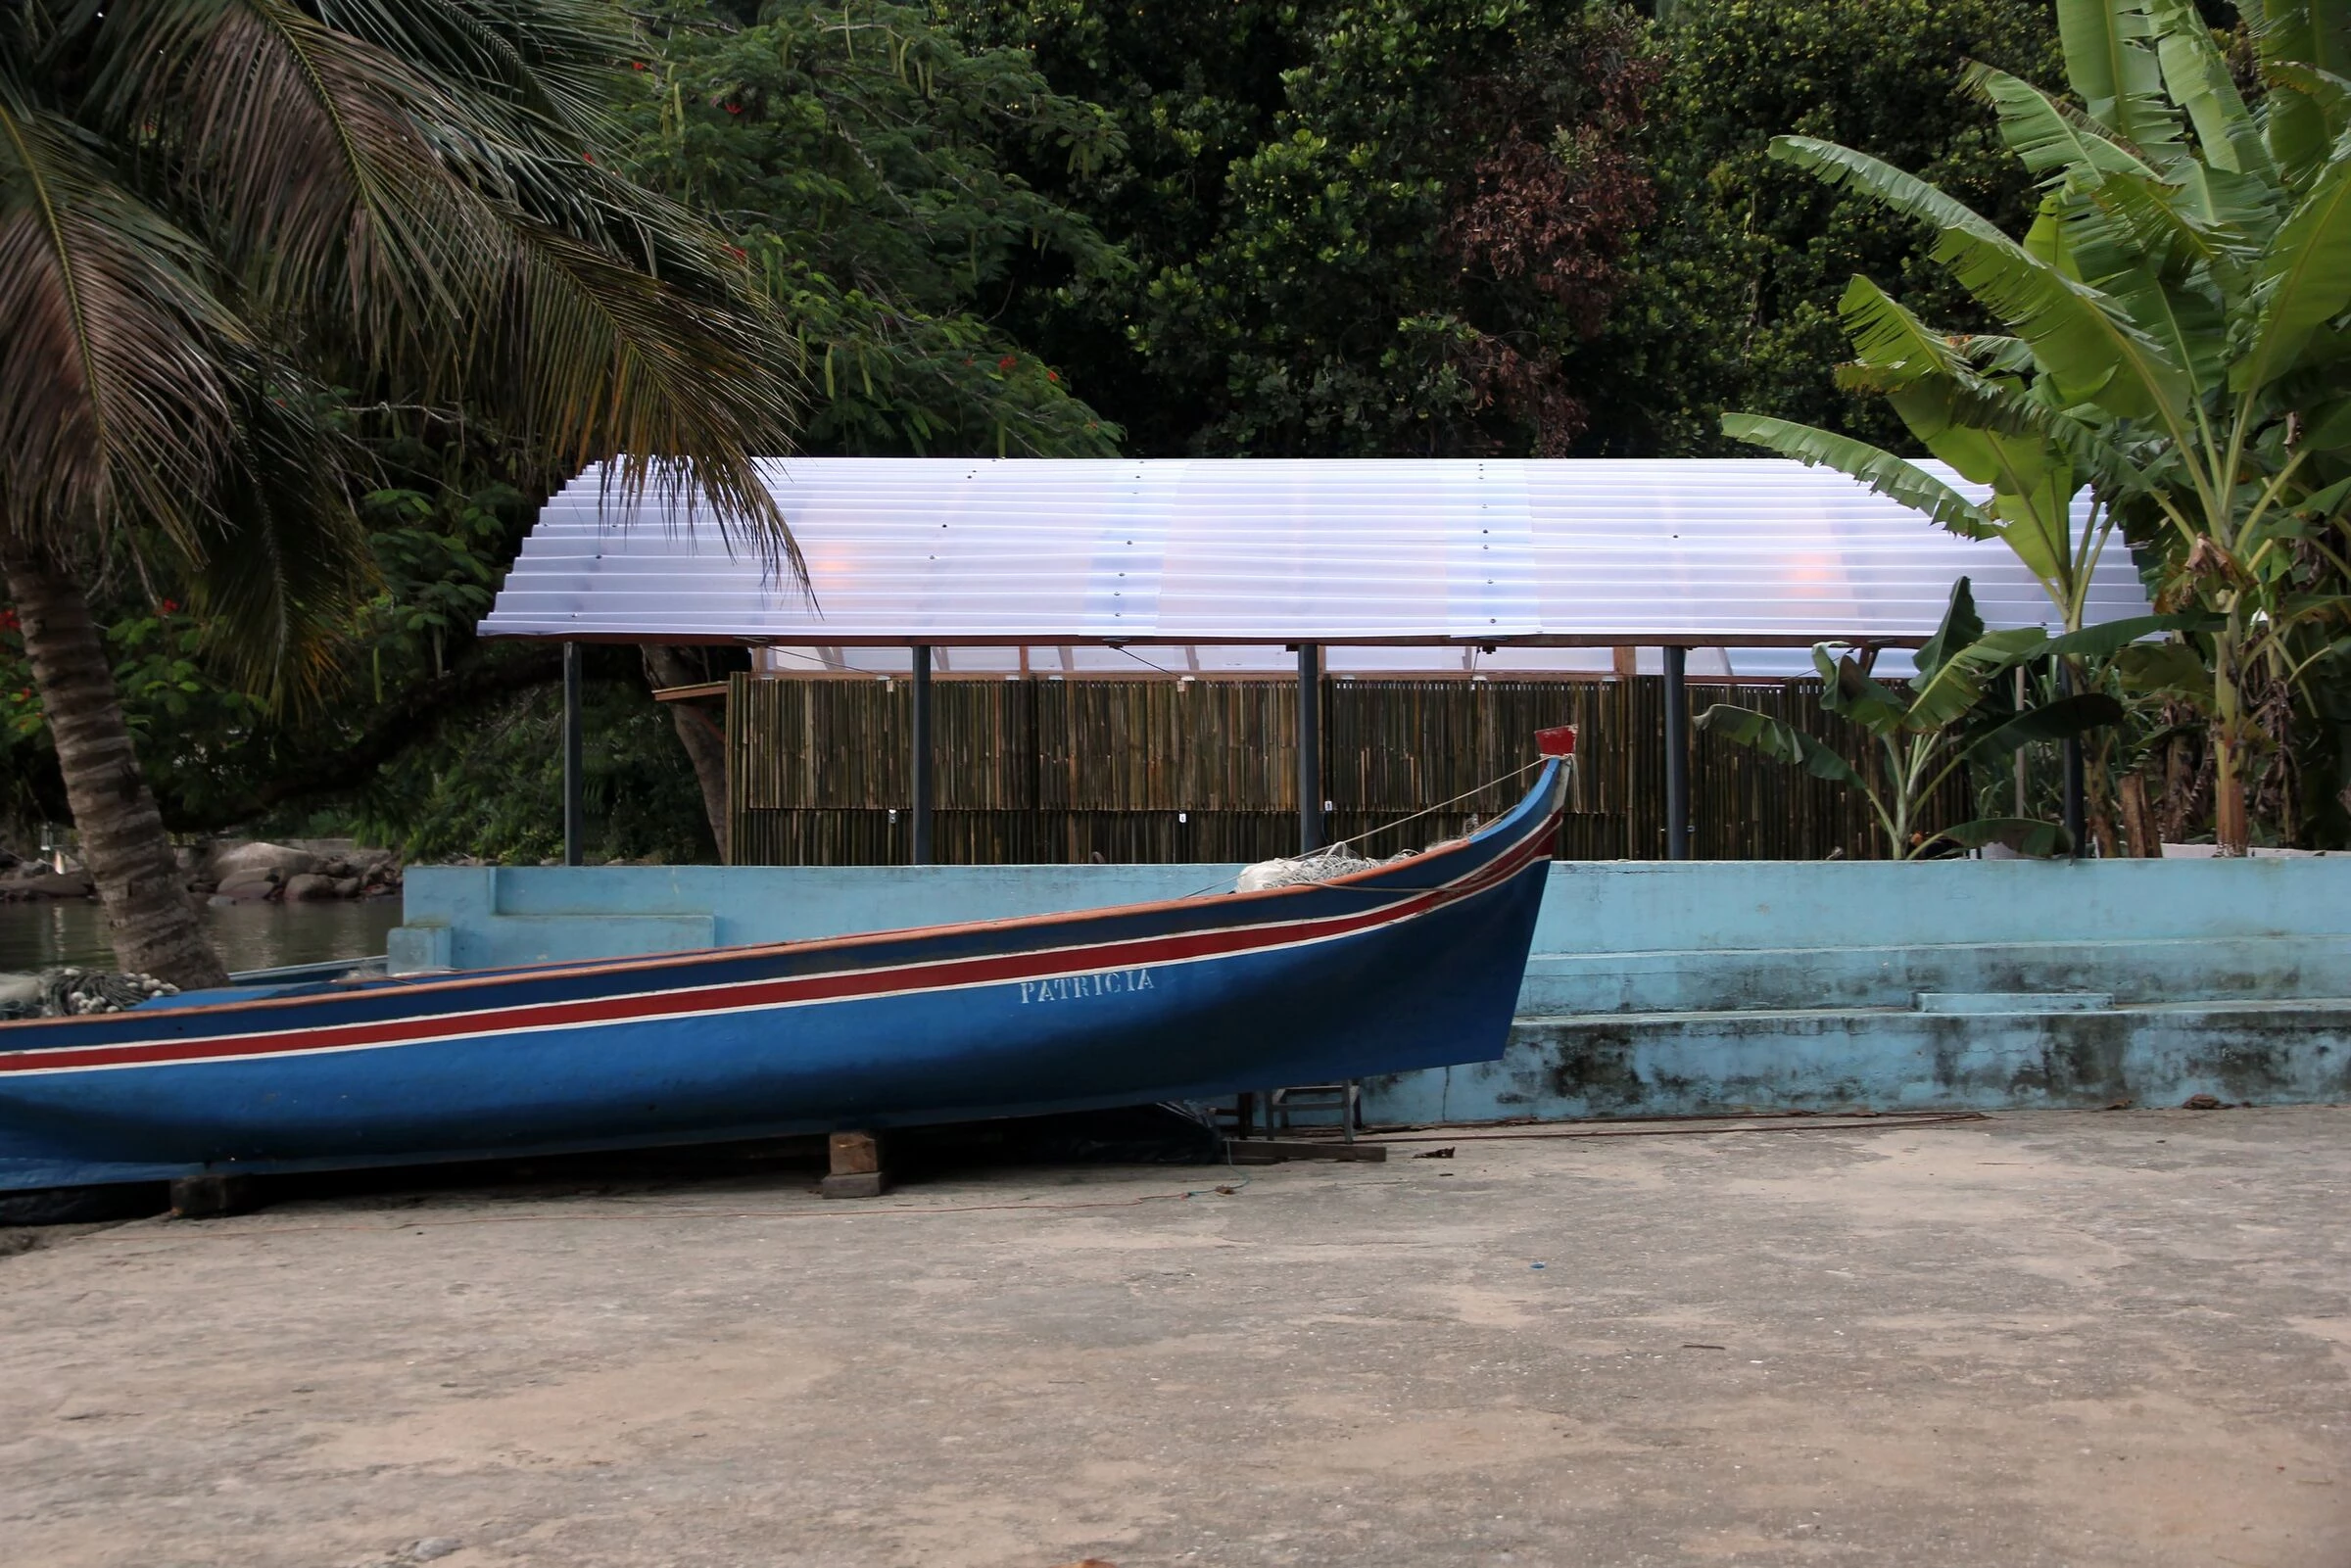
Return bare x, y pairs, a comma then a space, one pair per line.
1339, 860
57, 993
1320, 867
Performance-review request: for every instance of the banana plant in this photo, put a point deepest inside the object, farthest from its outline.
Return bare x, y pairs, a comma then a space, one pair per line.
1953, 713
2175, 339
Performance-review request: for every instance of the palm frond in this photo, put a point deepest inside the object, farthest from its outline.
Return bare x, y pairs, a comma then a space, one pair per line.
409, 177
553, 60
114, 395
306, 142
282, 565
607, 363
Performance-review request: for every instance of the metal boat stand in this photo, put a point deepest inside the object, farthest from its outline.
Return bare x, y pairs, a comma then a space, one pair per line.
1283, 1109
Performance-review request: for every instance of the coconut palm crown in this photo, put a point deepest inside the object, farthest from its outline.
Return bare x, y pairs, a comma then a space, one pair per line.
226, 225
2175, 340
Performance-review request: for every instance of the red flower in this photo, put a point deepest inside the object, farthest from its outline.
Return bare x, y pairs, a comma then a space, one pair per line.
171, 606
1052, 375
588, 158
1008, 361
635, 65
734, 108
739, 252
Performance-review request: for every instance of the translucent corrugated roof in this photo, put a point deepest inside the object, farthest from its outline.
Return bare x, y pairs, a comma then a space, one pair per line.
1562, 553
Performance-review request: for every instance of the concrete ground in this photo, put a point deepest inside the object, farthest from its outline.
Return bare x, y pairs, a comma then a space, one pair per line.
2042, 1338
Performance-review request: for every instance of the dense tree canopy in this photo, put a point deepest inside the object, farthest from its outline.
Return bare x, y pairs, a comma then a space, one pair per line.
1734, 303
858, 168
1357, 228
1070, 227
861, 158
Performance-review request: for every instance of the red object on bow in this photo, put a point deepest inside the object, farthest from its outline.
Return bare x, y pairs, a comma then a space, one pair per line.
1557, 742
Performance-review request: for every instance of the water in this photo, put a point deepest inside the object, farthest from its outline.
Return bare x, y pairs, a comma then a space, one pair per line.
248, 937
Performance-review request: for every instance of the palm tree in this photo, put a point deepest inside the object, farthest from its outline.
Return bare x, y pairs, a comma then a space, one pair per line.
227, 229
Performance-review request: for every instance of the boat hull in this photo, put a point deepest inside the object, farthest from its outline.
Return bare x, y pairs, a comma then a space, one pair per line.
1393, 970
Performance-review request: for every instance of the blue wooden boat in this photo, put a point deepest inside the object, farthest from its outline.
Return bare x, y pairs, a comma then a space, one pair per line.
1413, 963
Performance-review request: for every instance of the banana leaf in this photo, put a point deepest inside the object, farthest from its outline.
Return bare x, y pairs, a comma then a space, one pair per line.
2027, 835
1905, 192
1962, 627
2101, 642
2051, 136
1779, 741
2061, 720
1880, 470
2109, 62
2171, 669
2197, 78
2090, 348
1852, 694
2305, 279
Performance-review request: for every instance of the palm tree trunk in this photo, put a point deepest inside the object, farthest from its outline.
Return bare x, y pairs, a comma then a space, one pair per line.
124, 846
705, 742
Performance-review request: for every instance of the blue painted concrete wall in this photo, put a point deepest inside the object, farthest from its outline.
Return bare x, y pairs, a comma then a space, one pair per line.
481, 916
1668, 988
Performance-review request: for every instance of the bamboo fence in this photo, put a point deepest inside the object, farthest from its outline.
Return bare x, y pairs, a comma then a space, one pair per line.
1037, 769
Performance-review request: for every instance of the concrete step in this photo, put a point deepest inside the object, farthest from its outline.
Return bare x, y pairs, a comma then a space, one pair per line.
1565, 1067
1892, 974
1986, 1002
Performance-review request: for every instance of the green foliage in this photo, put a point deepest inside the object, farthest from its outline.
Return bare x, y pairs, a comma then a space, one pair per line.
2174, 339
859, 163
1953, 712
486, 790
1734, 296
213, 751
179, 711
859, 157
1360, 229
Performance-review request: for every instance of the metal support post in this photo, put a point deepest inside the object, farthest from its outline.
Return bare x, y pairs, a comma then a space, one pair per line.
2075, 814
575, 813
1677, 754
2021, 700
920, 695
1310, 747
